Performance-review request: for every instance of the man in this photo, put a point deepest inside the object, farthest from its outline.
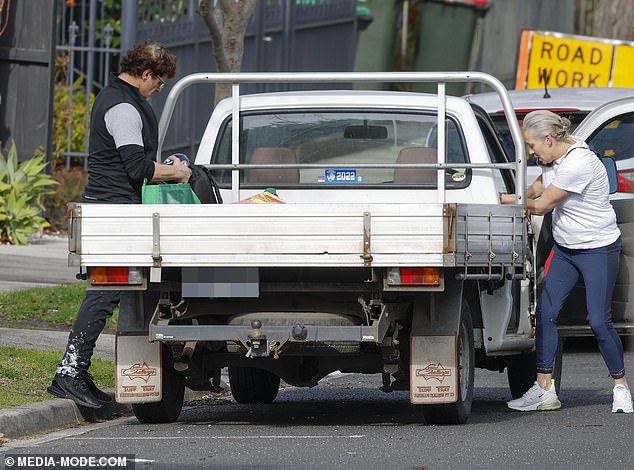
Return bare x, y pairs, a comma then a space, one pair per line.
123, 144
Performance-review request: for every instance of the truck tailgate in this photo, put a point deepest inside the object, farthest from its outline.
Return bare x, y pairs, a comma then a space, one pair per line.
345, 235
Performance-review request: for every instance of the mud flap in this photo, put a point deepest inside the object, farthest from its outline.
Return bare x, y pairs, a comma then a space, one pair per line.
138, 369
433, 370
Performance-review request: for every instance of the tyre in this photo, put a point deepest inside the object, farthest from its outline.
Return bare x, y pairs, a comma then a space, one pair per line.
458, 412
251, 386
522, 373
169, 408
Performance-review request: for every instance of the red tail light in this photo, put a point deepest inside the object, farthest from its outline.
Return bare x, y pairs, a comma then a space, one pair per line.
114, 275
420, 276
430, 277
626, 181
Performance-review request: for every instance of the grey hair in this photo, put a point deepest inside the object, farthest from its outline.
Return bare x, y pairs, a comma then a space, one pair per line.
543, 122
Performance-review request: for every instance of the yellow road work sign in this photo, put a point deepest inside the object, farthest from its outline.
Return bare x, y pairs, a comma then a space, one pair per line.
566, 60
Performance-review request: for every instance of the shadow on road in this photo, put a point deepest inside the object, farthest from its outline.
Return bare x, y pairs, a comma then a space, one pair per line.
365, 407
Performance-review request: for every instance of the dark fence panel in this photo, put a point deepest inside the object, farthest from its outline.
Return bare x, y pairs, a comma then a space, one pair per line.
26, 58
500, 45
284, 35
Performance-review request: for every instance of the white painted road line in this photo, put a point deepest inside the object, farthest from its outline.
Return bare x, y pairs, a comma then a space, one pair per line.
164, 438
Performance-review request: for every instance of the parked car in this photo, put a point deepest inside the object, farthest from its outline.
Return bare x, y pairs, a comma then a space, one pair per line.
609, 130
615, 138
604, 118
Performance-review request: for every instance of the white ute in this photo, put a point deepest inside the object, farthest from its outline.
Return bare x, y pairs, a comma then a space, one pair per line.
391, 253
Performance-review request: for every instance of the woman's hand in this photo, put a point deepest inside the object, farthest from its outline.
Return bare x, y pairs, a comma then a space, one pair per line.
506, 198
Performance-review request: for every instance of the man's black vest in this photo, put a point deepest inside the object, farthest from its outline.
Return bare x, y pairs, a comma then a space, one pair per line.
108, 180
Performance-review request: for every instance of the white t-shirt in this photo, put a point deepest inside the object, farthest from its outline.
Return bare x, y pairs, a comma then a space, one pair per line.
585, 219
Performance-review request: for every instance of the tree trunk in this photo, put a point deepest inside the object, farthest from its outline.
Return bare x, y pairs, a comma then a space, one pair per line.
227, 21
612, 19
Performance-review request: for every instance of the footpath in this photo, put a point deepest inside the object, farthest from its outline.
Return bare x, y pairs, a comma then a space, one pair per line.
44, 263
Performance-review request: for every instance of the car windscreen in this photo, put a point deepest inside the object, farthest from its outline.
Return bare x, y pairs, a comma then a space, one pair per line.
615, 139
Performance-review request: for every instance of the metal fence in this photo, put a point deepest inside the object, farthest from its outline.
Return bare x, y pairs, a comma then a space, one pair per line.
85, 57
283, 35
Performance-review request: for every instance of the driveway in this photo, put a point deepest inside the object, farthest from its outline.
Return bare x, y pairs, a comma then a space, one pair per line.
40, 264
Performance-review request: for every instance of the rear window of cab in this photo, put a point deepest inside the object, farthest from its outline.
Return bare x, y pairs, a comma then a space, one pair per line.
336, 142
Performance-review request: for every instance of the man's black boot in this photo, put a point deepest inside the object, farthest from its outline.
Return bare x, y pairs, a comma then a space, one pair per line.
77, 389
100, 395
55, 390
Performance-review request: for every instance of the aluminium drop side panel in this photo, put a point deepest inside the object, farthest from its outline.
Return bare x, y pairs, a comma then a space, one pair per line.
244, 235
486, 233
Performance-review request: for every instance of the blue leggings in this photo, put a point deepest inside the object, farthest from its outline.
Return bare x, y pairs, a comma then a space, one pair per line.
598, 267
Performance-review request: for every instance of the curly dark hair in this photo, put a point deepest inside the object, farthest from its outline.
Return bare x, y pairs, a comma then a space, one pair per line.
149, 55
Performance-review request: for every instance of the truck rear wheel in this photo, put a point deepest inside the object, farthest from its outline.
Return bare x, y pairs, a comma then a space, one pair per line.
253, 386
458, 412
173, 384
522, 373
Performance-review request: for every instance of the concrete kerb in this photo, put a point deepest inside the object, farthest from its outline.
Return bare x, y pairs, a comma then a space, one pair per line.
45, 416
21, 268
51, 415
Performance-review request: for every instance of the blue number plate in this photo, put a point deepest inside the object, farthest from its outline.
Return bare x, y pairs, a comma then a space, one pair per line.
340, 175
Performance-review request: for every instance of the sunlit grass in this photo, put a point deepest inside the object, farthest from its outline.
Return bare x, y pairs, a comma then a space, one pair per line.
50, 306
25, 374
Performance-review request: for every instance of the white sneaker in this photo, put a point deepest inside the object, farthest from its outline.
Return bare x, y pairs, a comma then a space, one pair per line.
537, 399
622, 401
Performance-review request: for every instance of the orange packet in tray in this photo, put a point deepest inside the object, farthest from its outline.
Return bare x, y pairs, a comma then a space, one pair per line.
268, 196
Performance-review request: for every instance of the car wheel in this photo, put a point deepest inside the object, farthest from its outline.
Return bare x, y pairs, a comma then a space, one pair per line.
173, 384
521, 373
458, 412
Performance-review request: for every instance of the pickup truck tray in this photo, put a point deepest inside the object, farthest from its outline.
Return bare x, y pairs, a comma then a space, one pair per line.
341, 235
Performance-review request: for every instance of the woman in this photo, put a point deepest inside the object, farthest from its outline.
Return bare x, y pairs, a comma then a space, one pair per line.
574, 186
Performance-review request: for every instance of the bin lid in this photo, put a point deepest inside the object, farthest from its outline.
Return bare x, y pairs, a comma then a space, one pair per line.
473, 3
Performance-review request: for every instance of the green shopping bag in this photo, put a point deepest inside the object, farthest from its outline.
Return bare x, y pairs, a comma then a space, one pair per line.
168, 193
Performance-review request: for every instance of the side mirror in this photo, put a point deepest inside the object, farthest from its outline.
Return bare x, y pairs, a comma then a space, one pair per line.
610, 167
